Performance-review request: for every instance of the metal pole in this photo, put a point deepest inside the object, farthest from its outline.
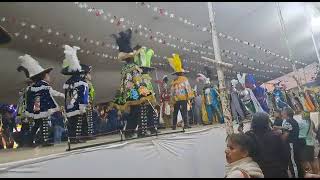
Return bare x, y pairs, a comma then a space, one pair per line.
308, 15
283, 30
223, 92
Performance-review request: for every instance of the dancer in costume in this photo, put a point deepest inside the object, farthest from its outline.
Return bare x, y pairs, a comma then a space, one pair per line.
149, 115
87, 123
247, 96
210, 101
259, 92
40, 101
76, 92
309, 101
279, 97
5, 38
181, 91
235, 103
165, 101
132, 92
26, 122
296, 103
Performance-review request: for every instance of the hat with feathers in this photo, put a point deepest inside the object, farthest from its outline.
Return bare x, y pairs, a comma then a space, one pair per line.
242, 79
123, 40
143, 58
31, 67
176, 64
234, 82
202, 78
71, 64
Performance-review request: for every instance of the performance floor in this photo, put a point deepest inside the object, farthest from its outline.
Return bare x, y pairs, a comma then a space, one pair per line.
198, 152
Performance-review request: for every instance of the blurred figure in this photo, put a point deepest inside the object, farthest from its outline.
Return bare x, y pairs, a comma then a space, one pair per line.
290, 129
277, 118
306, 135
197, 109
113, 117
57, 121
272, 152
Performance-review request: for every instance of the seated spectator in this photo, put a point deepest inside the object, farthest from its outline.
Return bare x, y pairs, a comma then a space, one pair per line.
240, 153
102, 121
96, 117
57, 121
272, 151
8, 125
2, 134
25, 134
112, 118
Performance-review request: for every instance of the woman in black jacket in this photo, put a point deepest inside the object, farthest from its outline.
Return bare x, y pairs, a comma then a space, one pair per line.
272, 151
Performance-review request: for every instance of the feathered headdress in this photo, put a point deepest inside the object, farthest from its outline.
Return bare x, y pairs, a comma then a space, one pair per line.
176, 64
202, 78
71, 64
242, 79
234, 82
143, 58
250, 81
123, 40
31, 67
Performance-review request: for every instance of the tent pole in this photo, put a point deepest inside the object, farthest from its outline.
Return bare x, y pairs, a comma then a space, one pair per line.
223, 92
283, 30
308, 15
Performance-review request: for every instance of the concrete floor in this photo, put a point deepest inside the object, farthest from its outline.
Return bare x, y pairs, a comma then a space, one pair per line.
20, 154
199, 152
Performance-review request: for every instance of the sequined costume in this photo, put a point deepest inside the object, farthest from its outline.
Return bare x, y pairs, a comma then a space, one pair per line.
279, 98
40, 103
76, 92
181, 91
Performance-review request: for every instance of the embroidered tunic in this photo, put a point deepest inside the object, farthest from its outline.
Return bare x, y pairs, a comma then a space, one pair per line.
77, 95
40, 101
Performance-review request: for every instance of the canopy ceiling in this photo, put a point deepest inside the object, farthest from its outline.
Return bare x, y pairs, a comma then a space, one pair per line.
254, 22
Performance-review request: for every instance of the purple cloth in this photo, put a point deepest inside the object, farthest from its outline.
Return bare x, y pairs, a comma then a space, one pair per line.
261, 96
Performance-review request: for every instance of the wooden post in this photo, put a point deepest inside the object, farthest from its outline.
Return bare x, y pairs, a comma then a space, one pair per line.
222, 88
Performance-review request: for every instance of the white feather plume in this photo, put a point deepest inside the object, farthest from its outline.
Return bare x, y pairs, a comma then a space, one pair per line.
202, 78
71, 59
242, 79
234, 82
30, 64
